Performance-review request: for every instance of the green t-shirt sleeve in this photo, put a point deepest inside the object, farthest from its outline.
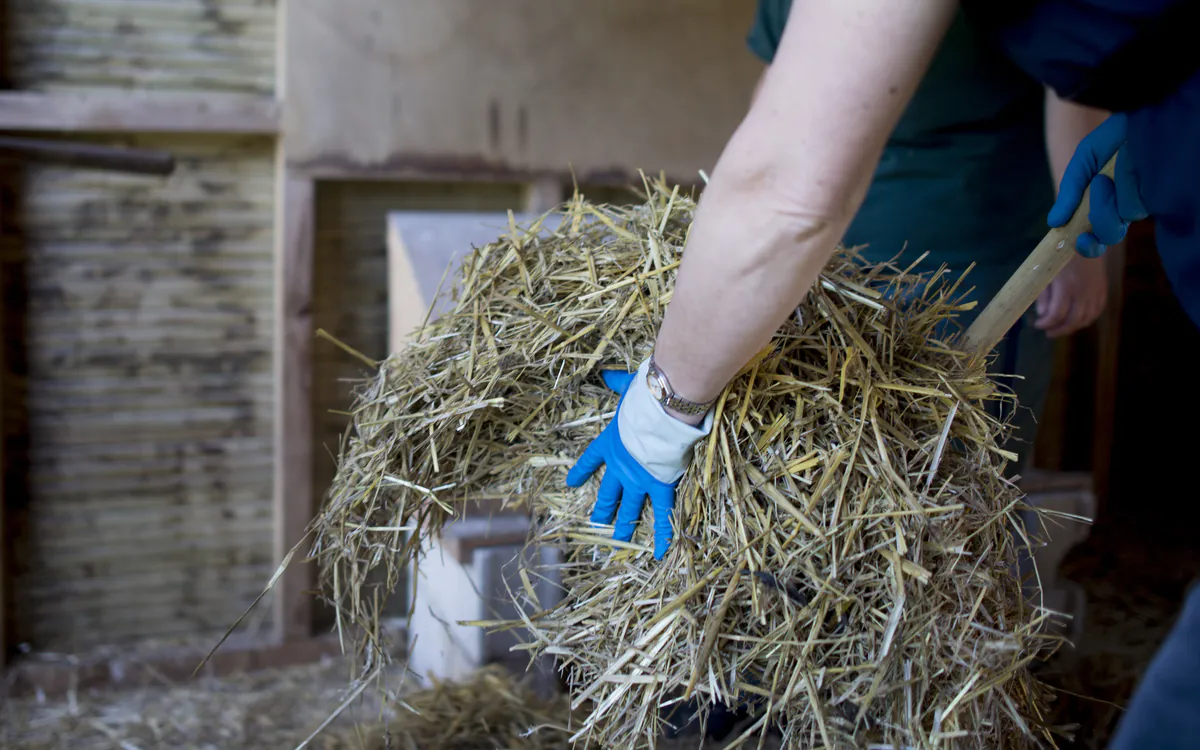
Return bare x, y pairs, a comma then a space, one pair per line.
767, 30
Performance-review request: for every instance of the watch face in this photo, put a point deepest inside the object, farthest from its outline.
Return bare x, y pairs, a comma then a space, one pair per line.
656, 388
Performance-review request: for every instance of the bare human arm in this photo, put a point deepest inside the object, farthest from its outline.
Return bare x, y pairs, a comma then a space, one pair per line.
1079, 293
791, 179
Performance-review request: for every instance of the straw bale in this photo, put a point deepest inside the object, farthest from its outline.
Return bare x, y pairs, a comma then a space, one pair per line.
845, 557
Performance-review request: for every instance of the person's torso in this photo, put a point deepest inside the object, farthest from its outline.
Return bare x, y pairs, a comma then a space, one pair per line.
964, 176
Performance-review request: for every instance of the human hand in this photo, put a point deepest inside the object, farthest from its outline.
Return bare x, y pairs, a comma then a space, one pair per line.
1114, 203
645, 452
1074, 299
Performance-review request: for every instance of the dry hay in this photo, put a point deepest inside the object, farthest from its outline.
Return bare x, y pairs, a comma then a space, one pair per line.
275, 709
488, 711
843, 553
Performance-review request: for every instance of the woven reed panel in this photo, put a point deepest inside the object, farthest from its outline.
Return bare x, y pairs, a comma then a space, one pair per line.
350, 292
170, 45
150, 396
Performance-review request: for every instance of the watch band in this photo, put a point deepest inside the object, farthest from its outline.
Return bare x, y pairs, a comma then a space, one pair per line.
663, 393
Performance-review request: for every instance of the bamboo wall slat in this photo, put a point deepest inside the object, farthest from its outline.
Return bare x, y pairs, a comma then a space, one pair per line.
150, 396
166, 45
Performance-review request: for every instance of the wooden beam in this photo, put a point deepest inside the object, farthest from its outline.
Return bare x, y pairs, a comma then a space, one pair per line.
138, 113
293, 484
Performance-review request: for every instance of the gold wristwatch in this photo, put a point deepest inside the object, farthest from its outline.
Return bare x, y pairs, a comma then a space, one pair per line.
663, 393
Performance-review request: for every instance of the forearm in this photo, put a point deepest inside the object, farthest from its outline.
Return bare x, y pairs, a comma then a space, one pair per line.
749, 261
791, 179
1066, 125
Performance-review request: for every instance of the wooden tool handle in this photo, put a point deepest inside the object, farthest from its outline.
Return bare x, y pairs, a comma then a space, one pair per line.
1049, 257
90, 155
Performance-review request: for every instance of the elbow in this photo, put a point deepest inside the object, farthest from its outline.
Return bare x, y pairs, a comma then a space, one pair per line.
763, 173
781, 199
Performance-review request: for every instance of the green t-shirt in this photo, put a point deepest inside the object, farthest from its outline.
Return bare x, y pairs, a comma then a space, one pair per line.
964, 175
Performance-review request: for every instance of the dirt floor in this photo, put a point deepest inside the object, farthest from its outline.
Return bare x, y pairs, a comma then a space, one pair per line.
1134, 584
274, 709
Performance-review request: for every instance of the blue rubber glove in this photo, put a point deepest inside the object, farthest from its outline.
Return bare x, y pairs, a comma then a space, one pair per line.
1114, 204
644, 451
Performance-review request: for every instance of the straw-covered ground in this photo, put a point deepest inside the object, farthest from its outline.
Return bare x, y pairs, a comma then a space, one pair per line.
1134, 584
844, 557
276, 709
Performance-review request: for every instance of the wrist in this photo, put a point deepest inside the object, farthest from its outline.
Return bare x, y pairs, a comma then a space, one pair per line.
689, 419
674, 403
661, 442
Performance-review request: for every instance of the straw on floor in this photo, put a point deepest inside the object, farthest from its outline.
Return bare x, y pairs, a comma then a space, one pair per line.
845, 556
487, 711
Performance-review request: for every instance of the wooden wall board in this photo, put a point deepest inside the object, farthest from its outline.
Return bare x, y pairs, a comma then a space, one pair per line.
138, 113
218, 46
149, 391
475, 87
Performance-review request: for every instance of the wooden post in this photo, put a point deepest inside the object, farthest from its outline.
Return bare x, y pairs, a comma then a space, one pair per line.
1108, 346
5, 530
293, 366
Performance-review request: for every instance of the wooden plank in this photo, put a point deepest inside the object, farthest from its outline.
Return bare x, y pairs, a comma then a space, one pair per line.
1042, 481
142, 112
293, 485
150, 392
202, 46
462, 538
472, 87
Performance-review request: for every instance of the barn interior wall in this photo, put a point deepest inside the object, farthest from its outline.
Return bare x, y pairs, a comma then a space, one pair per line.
144, 506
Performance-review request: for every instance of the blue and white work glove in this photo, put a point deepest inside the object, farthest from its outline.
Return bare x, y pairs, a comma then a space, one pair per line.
645, 452
1114, 204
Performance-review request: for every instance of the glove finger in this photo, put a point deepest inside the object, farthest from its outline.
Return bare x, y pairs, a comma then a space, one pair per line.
617, 380
1089, 246
1093, 152
1130, 205
629, 514
663, 503
585, 467
607, 498
1107, 224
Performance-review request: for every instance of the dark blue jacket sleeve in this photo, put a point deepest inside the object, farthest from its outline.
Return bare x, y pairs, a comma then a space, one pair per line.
1164, 143
769, 21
